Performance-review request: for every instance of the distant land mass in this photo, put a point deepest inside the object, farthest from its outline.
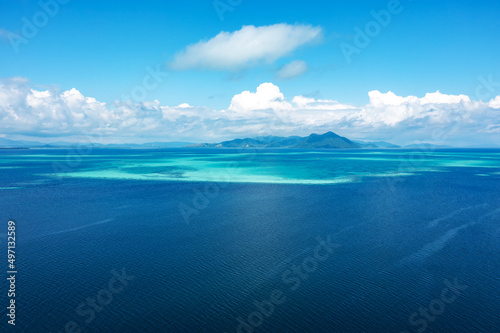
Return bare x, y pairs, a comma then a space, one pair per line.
313, 141
426, 146
6, 143
376, 144
329, 140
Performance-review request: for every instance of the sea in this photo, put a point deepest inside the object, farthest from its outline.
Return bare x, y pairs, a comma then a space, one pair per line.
249, 241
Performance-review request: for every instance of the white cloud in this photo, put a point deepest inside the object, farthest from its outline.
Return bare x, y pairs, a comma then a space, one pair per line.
320, 104
379, 99
390, 109
267, 96
389, 98
439, 98
293, 69
436, 117
246, 47
495, 103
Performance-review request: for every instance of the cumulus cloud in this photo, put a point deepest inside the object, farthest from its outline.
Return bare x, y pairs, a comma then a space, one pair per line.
267, 96
246, 47
435, 117
380, 99
390, 109
495, 103
439, 98
292, 70
27, 111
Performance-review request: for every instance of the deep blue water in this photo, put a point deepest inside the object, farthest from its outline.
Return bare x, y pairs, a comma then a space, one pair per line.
397, 238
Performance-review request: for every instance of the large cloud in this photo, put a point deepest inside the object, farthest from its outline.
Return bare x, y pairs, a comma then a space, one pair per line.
436, 117
246, 47
390, 109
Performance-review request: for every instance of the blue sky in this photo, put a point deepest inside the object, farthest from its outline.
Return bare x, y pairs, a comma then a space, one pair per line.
103, 49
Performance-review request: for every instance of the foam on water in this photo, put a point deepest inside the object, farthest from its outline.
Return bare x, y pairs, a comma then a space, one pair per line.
435, 246
75, 228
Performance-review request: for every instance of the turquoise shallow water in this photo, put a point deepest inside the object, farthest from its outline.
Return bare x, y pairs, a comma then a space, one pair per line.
403, 222
278, 167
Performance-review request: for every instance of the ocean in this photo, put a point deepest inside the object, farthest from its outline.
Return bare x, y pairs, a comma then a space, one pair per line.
221, 240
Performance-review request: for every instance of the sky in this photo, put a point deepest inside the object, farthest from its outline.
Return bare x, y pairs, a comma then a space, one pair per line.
205, 71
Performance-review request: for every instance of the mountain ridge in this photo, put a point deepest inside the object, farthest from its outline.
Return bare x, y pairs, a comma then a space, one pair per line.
313, 141
328, 140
